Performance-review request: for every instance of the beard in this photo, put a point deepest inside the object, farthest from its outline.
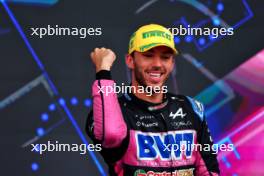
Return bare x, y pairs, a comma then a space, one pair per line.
139, 75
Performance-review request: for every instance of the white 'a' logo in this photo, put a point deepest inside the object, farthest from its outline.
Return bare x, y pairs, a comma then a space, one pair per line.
178, 113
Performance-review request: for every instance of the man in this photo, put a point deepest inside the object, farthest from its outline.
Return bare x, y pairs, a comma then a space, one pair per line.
143, 134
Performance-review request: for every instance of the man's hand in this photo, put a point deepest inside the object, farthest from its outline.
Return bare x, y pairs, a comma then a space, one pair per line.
103, 58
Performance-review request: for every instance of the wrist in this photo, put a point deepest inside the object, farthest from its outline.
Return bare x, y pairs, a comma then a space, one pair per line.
102, 68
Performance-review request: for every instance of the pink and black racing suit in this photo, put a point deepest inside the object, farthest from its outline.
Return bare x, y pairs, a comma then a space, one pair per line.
144, 139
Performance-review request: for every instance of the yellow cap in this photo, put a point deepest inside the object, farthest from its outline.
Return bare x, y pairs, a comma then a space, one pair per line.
150, 36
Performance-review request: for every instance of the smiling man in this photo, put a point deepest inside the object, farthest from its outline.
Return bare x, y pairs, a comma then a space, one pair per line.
144, 135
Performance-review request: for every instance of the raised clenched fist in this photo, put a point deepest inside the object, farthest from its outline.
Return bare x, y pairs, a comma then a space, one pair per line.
103, 58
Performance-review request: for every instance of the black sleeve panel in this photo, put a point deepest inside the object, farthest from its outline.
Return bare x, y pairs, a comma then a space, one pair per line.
103, 74
209, 157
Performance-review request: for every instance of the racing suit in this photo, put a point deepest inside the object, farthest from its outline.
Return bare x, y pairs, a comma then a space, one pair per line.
139, 138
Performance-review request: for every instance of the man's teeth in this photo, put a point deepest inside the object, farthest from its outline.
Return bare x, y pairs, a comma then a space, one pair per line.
157, 75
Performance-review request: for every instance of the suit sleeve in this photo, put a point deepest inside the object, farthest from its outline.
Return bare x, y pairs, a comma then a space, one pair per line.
207, 163
105, 123
206, 160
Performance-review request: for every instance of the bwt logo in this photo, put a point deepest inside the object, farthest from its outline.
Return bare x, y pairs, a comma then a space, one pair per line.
151, 146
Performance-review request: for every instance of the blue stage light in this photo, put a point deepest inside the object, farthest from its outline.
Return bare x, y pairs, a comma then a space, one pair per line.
34, 166
220, 6
216, 21
62, 101
40, 131
52, 107
177, 40
201, 41
188, 38
87, 102
74, 101
44, 117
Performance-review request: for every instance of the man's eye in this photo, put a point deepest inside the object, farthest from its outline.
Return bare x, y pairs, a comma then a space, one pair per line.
165, 57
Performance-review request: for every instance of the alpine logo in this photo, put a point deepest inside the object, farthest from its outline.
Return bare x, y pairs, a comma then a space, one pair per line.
179, 113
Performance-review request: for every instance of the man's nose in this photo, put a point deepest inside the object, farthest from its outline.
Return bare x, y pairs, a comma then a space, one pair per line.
157, 61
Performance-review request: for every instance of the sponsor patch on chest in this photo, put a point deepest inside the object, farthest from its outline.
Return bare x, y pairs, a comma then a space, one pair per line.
171, 145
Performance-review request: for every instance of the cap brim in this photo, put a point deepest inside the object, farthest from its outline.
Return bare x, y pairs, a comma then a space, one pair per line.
175, 52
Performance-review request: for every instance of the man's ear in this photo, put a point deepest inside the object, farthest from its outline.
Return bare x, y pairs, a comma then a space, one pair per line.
129, 61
